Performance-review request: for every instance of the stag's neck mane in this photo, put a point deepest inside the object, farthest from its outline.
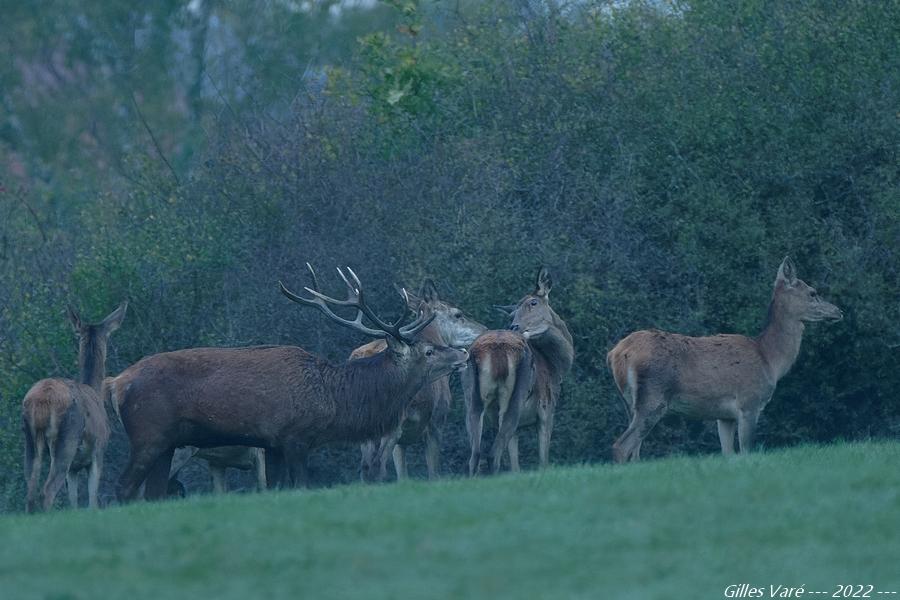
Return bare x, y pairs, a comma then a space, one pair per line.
780, 339
92, 363
556, 346
373, 394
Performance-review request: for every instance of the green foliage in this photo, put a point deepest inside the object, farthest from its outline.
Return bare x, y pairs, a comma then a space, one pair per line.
683, 526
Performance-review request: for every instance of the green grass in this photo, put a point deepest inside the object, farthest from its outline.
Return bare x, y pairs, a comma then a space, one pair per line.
675, 528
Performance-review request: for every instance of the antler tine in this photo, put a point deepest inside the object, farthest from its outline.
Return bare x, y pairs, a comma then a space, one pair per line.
312, 273
416, 326
320, 302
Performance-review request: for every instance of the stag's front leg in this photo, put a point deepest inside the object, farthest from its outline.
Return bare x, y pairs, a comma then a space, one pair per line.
726, 435
218, 479
747, 430
295, 455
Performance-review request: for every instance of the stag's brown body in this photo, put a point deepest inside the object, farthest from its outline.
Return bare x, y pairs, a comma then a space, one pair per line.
729, 378
68, 418
280, 398
516, 376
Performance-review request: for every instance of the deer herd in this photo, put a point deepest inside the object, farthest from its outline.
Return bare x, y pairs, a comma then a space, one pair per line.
265, 408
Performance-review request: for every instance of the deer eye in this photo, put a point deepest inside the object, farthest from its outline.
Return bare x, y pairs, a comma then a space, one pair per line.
534, 302
429, 352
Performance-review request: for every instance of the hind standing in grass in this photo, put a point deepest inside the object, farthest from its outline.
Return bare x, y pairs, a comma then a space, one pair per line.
729, 378
69, 419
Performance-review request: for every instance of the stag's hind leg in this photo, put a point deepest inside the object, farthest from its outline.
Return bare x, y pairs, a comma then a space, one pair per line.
545, 430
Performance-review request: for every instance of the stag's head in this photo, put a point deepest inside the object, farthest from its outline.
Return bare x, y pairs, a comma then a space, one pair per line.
796, 300
532, 316
406, 351
93, 337
455, 327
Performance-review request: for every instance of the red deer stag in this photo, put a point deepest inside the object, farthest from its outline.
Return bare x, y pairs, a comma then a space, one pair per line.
517, 375
217, 460
426, 415
729, 378
68, 417
281, 398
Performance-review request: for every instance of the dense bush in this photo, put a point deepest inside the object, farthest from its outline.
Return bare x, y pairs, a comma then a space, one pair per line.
660, 159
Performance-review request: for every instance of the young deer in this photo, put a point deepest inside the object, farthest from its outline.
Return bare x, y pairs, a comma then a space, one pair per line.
426, 415
517, 374
729, 378
217, 460
69, 418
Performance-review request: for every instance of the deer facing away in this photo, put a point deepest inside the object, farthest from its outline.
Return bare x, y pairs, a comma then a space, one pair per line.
69, 419
729, 378
427, 413
517, 376
280, 398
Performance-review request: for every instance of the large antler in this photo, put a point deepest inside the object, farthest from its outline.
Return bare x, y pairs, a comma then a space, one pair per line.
355, 300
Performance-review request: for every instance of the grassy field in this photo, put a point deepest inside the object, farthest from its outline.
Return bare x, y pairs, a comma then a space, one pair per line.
675, 528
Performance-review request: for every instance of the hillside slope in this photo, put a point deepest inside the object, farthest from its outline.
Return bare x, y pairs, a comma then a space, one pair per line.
675, 528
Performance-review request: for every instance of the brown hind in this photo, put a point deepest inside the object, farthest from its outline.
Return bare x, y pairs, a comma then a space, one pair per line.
517, 376
69, 418
729, 378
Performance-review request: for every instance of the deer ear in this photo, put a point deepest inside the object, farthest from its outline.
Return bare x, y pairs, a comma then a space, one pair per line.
114, 319
544, 283
429, 291
787, 272
74, 319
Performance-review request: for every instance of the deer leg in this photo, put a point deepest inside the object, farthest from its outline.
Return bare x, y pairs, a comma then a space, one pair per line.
63, 447
513, 449
260, 463
34, 458
367, 451
747, 430
72, 488
143, 458
474, 417
399, 456
295, 455
276, 472
646, 415
545, 430
387, 448
726, 435
509, 421
218, 479
158, 476
433, 451
94, 477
